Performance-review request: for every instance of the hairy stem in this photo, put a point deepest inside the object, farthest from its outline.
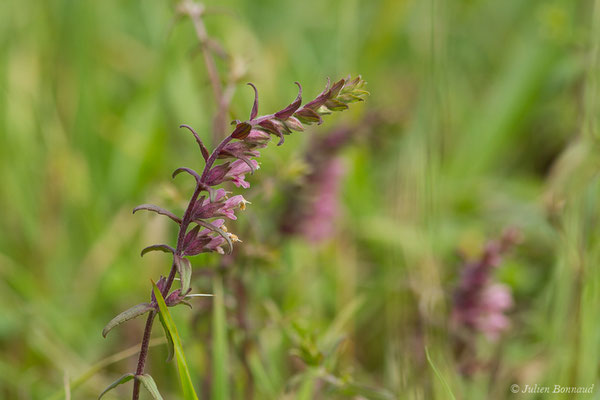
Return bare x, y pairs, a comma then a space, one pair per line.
213, 157
143, 354
185, 222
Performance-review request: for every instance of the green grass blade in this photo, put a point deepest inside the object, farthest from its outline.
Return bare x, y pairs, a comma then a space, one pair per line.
220, 352
170, 344
184, 374
305, 392
439, 375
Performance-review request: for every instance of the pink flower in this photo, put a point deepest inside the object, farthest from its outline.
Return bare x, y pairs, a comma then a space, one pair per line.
496, 297
217, 174
257, 138
201, 241
238, 170
215, 244
238, 150
205, 209
492, 325
324, 207
231, 204
479, 302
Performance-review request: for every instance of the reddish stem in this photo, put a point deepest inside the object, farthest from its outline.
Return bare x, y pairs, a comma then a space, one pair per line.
185, 222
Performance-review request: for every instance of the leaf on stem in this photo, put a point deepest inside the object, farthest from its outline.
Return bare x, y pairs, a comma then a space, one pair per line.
158, 210
150, 385
126, 315
184, 268
189, 171
125, 378
158, 247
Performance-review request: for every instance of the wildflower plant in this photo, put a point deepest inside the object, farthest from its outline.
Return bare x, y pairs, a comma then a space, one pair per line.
202, 227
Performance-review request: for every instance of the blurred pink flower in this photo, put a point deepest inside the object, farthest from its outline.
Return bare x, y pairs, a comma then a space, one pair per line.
479, 302
323, 207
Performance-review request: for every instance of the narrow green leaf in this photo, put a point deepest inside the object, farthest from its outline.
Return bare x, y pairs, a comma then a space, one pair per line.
123, 379
126, 315
184, 268
220, 352
261, 377
437, 373
170, 344
305, 392
158, 247
184, 374
150, 385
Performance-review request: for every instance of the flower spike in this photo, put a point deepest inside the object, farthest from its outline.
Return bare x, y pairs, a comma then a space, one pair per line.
202, 227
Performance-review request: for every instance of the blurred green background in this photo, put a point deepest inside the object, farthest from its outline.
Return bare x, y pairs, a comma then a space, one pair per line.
486, 116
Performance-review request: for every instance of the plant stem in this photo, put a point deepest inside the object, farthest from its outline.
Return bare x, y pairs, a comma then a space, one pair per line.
143, 354
185, 222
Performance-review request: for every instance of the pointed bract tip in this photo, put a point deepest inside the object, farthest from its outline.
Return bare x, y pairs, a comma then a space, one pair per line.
254, 111
299, 88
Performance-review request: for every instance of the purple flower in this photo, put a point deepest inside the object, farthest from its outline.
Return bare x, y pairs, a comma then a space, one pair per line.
479, 302
216, 175
324, 205
231, 204
257, 138
238, 170
215, 245
220, 207
200, 241
495, 300
239, 150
